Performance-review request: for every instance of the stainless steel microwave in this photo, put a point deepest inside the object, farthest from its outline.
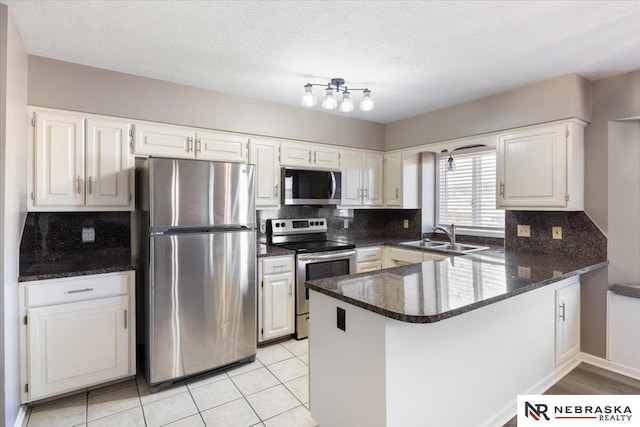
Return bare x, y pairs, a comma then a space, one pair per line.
311, 187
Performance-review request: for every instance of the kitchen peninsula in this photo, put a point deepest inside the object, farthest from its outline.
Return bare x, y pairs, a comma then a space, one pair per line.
449, 342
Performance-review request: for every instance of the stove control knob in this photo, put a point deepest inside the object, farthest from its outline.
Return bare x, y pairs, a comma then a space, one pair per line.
321, 222
277, 224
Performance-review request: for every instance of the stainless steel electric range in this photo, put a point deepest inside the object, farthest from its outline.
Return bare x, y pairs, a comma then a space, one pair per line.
316, 258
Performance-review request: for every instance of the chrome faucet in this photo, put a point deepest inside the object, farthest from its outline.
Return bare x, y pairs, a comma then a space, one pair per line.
451, 233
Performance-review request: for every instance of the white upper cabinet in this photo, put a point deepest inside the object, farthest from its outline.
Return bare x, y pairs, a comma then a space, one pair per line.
222, 147
264, 153
309, 155
109, 168
58, 160
361, 178
73, 167
541, 168
153, 139
402, 180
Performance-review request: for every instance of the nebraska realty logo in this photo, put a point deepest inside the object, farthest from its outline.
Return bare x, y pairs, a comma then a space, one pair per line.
578, 410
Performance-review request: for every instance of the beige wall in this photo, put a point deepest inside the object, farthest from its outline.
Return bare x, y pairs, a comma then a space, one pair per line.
76, 87
555, 99
13, 160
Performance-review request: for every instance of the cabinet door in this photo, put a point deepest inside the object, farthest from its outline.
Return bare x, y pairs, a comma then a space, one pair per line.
393, 179
532, 168
372, 179
623, 342
277, 306
326, 158
109, 172
264, 154
222, 147
163, 140
76, 345
295, 154
59, 160
351, 178
567, 322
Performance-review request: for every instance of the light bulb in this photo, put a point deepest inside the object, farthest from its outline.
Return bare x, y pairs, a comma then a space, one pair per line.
367, 103
329, 102
308, 99
451, 165
346, 105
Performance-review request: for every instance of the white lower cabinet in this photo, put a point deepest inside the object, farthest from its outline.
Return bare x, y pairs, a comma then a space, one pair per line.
623, 341
567, 322
77, 332
368, 259
396, 257
276, 298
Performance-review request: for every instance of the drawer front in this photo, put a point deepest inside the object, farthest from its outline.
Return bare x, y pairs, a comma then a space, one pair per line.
369, 254
405, 256
365, 267
277, 265
80, 288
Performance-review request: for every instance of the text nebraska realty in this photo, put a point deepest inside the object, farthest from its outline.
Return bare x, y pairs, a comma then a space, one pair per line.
601, 413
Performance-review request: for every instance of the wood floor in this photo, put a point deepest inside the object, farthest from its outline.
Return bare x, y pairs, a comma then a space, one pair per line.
589, 379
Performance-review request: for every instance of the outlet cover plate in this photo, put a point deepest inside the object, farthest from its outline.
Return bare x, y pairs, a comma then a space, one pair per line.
405, 223
524, 231
88, 235
556, 233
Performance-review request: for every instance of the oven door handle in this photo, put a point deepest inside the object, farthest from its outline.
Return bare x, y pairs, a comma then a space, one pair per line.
336, 256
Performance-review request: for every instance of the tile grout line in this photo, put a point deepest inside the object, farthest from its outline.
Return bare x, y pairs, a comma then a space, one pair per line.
196, 404
245, 397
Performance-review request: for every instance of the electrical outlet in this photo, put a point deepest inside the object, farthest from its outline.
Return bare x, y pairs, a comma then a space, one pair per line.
346, 223
524, 231
524, 272
263, 226
557, 273
341, 319
556, 233
406, 223
88, 235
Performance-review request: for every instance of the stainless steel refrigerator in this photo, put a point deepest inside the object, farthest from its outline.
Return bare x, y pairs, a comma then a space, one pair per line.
196, 222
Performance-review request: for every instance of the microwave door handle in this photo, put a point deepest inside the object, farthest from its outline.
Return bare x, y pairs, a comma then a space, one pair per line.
333, 186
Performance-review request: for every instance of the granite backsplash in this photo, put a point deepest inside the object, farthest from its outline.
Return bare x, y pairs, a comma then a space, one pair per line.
57, 236
580, 236
362, 223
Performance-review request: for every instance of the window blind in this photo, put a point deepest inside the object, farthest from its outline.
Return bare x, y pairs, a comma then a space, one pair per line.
467, 195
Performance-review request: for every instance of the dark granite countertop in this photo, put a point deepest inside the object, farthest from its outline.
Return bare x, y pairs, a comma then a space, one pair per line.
632, 291
75, 266
264, 250
437, 290
379, 241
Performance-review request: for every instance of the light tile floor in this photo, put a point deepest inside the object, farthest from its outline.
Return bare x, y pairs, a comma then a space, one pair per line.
273, 391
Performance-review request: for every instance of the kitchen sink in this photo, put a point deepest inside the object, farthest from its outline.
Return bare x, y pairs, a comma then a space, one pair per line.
457, 248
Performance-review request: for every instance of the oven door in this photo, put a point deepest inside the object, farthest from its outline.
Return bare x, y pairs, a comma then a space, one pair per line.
320, 265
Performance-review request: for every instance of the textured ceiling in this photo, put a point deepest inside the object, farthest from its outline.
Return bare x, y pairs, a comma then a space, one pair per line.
414, 56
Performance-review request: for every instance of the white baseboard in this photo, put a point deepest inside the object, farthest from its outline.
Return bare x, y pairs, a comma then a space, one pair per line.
611, 366
22, 415
509, 411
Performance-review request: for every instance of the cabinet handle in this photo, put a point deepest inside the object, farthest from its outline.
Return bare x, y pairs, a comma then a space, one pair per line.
77, 291
290, 289
280, 266
275, 190
89, 186
125, 319
562, 314
501, 189
78, 189
189, 144
199, 145
397, 193
315, 157
366, 193
309, 156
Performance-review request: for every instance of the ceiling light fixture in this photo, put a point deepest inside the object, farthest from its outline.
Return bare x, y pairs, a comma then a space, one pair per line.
330, 101
451, 164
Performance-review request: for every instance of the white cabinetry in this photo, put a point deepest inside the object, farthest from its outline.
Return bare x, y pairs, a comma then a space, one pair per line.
567, 322
77, 332
361, 178
154, 139
396, 257
623, 340
70, 169
368, 259
541, 168
276, 299
309, 155
402, 180
264, 154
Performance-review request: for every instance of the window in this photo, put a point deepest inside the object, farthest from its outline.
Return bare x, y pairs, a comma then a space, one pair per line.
467, 195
